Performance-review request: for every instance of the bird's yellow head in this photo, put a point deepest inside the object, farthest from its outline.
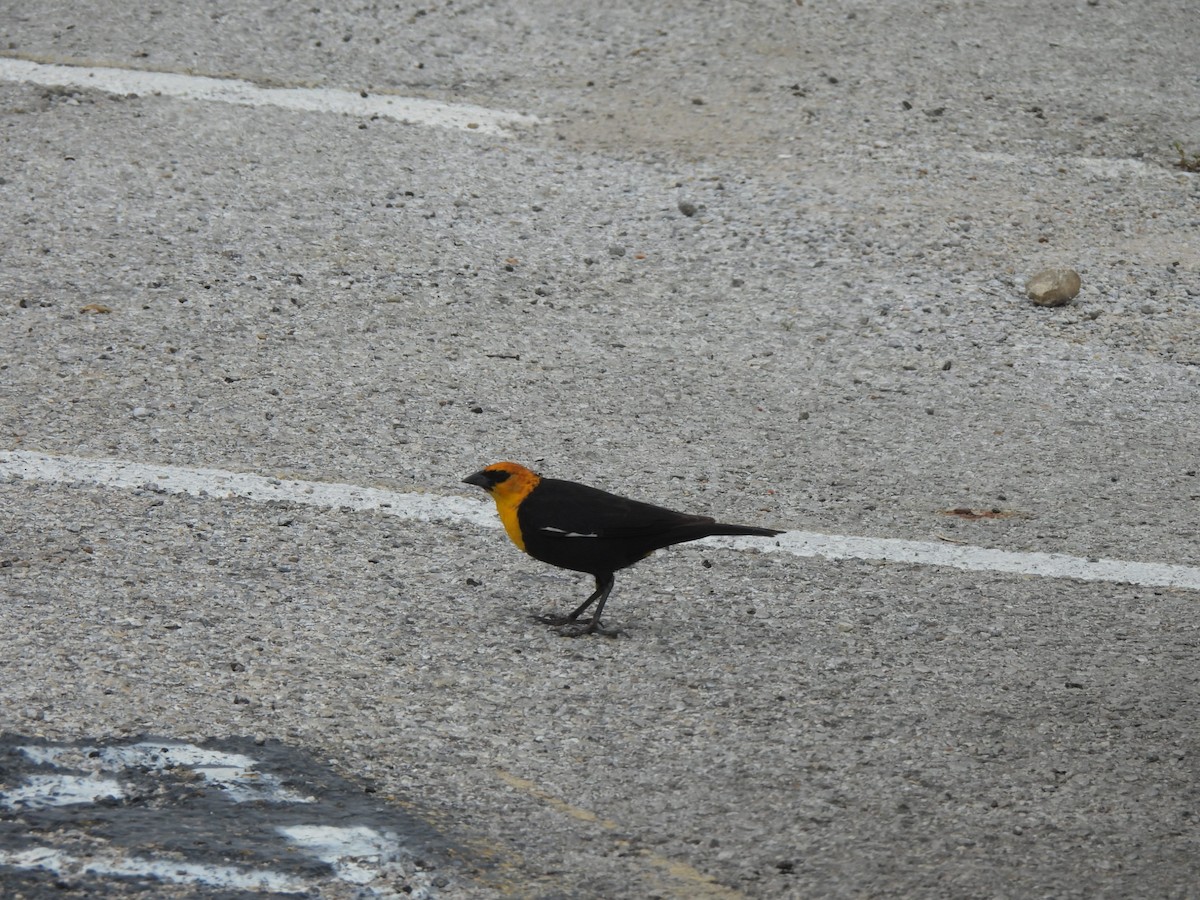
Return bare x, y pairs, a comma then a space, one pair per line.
509, 483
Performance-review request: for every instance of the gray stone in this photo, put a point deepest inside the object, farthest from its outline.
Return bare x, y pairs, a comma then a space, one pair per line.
1053, 287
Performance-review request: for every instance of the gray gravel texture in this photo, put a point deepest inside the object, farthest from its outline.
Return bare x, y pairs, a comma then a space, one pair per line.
765, 261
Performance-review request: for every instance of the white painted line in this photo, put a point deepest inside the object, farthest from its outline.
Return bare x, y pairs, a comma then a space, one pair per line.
971, 559
413, 110
174, 871
220, 484
1099, 166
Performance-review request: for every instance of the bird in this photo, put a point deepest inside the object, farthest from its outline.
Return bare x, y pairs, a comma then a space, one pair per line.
584, 529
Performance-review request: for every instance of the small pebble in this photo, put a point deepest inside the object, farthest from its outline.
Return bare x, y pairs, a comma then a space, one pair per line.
616, 250
140, 412
687, 208
1053, 287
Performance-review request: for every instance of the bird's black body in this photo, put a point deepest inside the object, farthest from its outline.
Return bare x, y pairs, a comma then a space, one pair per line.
577, 527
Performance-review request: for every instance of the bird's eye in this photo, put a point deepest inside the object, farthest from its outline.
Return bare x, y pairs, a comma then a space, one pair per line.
498, 476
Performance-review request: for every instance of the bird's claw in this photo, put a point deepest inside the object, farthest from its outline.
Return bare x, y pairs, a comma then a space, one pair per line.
565, 626
560, 620
581, 629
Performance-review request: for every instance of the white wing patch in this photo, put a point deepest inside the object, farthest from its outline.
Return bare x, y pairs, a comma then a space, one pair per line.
565, 533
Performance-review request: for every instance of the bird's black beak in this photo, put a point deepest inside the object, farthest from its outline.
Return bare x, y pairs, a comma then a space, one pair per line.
482, 479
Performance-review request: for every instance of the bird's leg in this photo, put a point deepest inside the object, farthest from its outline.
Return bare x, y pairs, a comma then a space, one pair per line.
571, 619
604, 586
603, 589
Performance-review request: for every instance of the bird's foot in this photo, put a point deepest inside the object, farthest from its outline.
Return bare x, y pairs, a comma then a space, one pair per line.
568, 627
560, 620
579, 629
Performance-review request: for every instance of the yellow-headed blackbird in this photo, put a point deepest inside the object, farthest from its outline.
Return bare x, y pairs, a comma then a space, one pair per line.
577, 527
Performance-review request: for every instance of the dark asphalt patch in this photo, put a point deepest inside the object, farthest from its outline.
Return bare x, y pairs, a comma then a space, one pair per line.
226, 818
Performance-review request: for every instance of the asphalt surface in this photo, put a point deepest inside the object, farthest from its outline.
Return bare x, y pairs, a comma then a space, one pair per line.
763, 261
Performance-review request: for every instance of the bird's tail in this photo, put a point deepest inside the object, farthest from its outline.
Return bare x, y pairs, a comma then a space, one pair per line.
717, 528
701, 528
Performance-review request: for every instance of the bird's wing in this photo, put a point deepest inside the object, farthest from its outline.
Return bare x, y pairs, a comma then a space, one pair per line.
575, 511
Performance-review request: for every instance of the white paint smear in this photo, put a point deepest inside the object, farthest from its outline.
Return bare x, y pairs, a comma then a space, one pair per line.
354, 853
361, 855
146, 754
220, 484
174, 871
234, 773
413, 110
46, 791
